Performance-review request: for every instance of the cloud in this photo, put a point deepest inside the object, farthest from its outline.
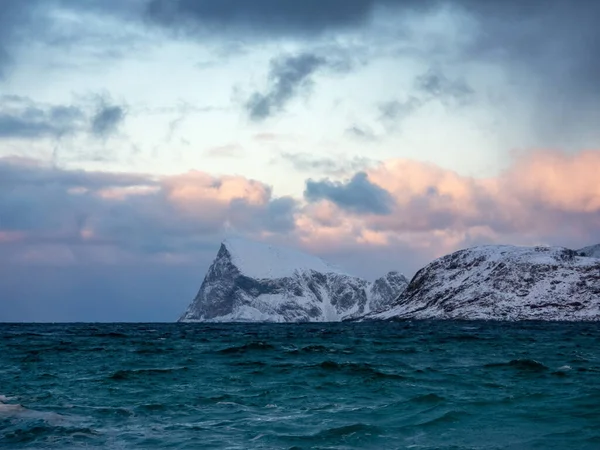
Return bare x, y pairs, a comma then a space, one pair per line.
225, 151
431, 86
358, 194
361, 132
544, 197
107, 119
394, 111
287, 76
65, 23
53, 214
21, 118
435, 85
335, 166
270, 17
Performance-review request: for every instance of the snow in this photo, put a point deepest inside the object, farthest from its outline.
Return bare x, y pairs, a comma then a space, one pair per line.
265, 261
502, 282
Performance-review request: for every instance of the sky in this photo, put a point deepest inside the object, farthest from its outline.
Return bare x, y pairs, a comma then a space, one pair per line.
135, 135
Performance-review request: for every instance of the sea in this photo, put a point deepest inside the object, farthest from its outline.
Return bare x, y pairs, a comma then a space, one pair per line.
380, 385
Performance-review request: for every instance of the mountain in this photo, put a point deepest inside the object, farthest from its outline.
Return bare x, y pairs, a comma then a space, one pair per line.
503, 283
254, 282
593, 251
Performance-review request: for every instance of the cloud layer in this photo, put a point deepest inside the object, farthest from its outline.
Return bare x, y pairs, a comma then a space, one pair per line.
545, 197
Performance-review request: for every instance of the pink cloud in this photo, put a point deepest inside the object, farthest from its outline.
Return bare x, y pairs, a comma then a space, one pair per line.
73, 216
195, 187
543, 197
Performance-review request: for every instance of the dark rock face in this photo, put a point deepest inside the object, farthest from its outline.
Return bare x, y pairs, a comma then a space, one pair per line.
593, 251
228, 295
385, 288
503, 283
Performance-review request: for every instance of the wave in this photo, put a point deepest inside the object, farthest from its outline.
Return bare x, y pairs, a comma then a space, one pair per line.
252, 346
27, 433
524, 365
130, 373
427, 398
444, 419
362, 369
356, 431
112, 334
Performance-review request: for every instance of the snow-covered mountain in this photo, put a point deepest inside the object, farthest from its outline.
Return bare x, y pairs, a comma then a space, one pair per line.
255, 282
593, 251
503, 283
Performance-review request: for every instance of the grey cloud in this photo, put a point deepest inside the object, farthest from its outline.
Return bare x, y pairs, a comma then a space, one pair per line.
395, 110
551, 52
23, 21
357, 195
435, 85
287, 76
4, 60
54, 206
107, 120
331, 166
281, 214
14, 15
361, 132
23, 119
270, 17
432, 85
276, 216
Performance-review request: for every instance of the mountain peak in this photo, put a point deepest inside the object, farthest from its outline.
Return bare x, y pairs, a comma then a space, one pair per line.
260, 260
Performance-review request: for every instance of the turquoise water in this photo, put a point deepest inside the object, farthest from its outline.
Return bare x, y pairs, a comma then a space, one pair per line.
417, 385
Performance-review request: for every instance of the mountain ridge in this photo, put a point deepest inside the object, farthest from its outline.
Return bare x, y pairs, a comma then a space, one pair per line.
254, 282
502, 283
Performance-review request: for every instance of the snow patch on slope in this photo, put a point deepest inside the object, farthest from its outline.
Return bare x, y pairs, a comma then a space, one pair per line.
263, 261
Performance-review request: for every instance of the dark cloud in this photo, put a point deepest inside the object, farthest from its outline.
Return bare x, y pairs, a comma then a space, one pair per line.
357, 195
14, 14
287, 76
39, 21
23, 119
262, 17
107, 120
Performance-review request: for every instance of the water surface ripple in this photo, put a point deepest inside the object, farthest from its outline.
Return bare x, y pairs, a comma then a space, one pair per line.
417, 385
